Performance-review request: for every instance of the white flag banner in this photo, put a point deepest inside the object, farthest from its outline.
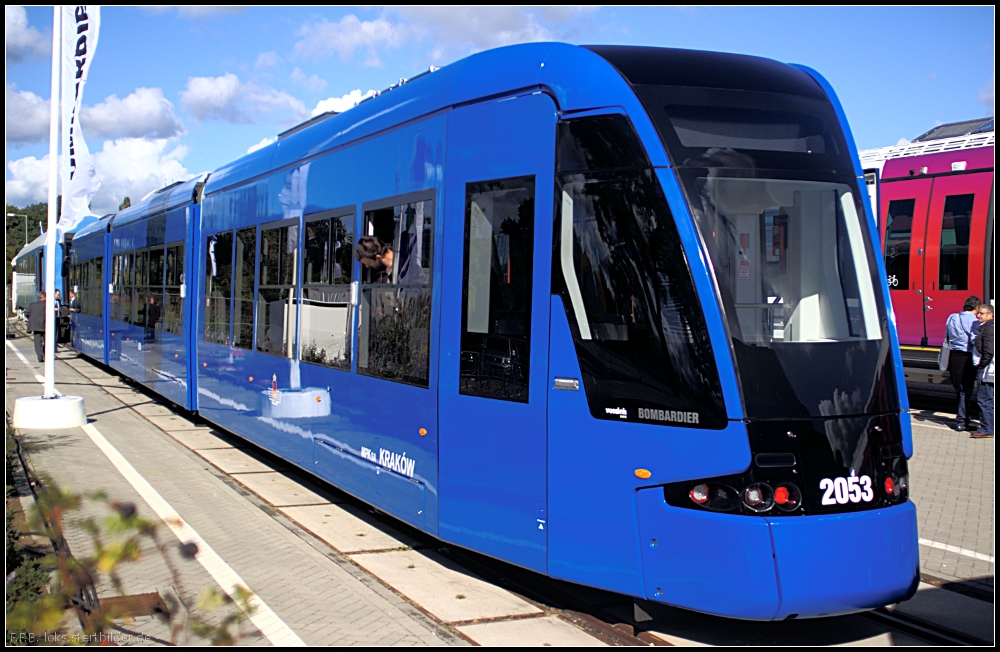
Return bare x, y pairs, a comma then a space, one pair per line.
80, 27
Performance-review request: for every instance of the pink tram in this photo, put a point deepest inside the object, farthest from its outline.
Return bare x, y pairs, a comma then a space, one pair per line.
934, 200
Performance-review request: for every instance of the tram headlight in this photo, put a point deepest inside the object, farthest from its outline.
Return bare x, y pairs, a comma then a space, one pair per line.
758, 497
787, 497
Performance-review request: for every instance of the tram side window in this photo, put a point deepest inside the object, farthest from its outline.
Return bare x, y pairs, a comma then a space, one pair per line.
395, 312
116, 285
174, 278
218, 287
246, 256
328, 269
154, 300
128, 283
96, 292
898, 230
496, 288
140, 303
953, 268
618, 265
276, 302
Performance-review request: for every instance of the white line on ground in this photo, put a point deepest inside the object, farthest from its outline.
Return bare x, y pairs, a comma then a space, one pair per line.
960, 551
264, 618
24, 360
268, 622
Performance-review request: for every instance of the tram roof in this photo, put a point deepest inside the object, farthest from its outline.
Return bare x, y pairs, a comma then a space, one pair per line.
165, 199
100, 226
579, 78
39, 242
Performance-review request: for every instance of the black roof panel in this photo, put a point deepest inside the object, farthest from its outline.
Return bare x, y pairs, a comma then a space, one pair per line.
693, 68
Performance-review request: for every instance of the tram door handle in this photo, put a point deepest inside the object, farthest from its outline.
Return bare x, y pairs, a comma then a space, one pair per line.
926, 300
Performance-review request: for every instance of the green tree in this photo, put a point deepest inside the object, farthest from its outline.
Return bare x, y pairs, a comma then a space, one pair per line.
21, 227
125, 203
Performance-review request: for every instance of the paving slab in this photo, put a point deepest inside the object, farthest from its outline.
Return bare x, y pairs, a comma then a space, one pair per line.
202, 438
153, 410
950, 609
128, 396
346, 528
231, 460
278, 489
107, 381
172, 423
545, 631
442, 588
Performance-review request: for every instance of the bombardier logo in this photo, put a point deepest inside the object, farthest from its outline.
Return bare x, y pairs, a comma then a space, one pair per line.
674, 416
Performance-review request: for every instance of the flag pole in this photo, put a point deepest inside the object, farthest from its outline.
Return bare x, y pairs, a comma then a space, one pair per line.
50, 410
50, 240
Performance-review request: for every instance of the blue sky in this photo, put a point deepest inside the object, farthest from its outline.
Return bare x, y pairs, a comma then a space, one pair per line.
177, 91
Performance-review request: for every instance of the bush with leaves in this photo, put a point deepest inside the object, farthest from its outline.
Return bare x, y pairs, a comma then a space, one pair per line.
117, 539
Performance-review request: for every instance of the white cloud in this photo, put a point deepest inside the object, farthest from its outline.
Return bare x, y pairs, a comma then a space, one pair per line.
452, 31
267, 60
127, 166
228, 99
322, 37
22, 41
29, 181
902, 141
26, 116
142, 114
134, 167
312, 83
342, 103
264, 142
196, 11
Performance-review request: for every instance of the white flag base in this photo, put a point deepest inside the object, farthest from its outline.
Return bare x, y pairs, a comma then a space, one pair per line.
38, 412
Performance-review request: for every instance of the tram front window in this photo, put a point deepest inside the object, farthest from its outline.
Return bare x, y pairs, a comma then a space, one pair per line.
796, 277
790, 260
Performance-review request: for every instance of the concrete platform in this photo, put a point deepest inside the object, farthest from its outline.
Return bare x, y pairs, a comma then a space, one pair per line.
232, 460
346, 528
547, 631
442, 588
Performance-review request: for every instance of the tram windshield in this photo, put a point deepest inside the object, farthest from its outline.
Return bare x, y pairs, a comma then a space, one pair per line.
795, 274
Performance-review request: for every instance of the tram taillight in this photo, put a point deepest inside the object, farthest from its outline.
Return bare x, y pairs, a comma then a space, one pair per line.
787, 497
758, 497
716, 497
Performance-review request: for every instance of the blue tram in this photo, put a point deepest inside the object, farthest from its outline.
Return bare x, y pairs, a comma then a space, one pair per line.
627, 329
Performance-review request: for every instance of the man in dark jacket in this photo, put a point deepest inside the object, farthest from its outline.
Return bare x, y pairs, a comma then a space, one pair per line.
984, 370
36, 324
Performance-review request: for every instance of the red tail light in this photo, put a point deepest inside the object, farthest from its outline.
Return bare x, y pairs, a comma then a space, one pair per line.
787, 497
890, 487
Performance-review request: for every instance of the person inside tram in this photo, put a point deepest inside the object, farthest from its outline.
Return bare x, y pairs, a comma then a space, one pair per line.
961, 328
376, 256
74, 303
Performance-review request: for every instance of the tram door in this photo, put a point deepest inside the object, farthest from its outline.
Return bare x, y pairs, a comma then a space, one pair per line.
904, 225
956, 239
494, 328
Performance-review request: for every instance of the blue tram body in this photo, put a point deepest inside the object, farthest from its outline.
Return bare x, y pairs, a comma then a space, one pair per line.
627, 326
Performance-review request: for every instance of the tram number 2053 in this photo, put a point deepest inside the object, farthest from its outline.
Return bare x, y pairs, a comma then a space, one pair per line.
840, 491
